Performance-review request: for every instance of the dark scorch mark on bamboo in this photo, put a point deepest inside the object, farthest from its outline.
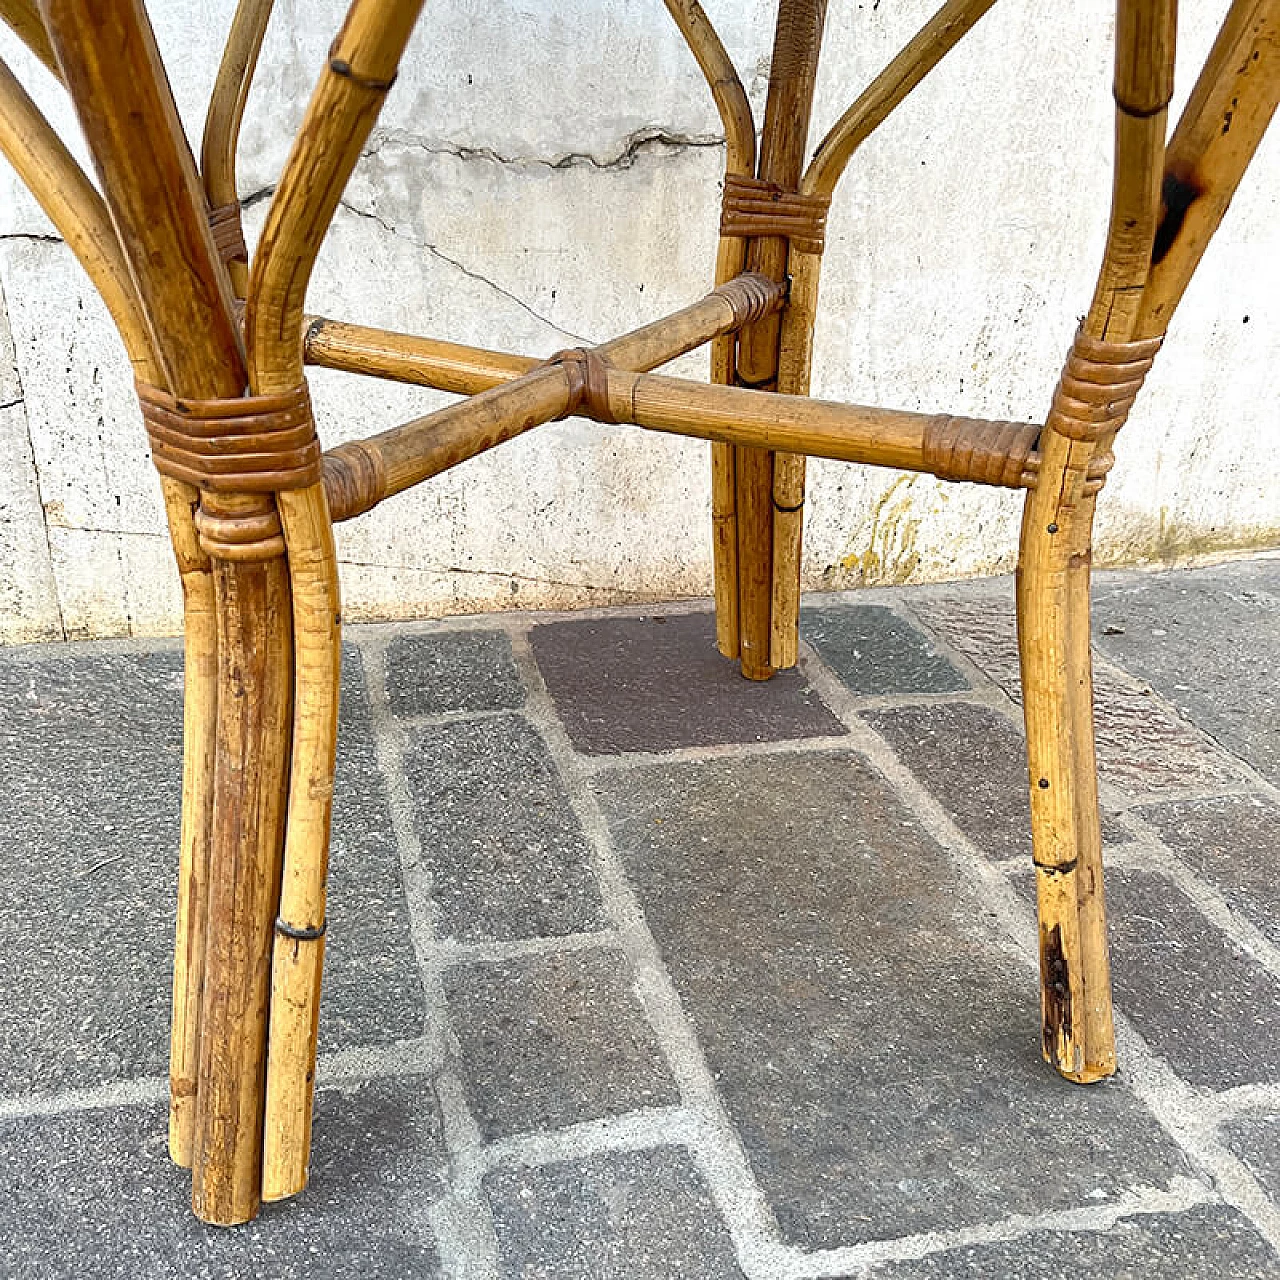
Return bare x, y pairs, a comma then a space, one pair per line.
1179, 195
1057, 991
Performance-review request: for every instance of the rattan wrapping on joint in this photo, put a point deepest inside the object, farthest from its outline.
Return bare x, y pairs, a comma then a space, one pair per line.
978, 450
355, 479
588, 384
753, 207
751, 297
256, 444
1099, 384
228, 234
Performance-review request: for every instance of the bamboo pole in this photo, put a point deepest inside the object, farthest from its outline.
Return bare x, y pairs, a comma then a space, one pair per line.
731, 256
404, 456
23, 18
449, 366
1228, 111
1053, 588
792, 77
107, 52
75, 208
795, 358
346, 101
226, 111
795, 362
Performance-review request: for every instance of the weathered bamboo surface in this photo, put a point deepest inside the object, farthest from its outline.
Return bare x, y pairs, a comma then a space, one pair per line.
1053, 581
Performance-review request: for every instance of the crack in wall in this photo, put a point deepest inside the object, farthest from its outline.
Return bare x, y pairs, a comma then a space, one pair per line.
471, 274
38, 237
631, 148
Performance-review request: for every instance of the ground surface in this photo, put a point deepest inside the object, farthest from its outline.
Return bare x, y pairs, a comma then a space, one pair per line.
638, 970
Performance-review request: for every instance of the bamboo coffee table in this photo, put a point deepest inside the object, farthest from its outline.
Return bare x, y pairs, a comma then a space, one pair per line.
252, 498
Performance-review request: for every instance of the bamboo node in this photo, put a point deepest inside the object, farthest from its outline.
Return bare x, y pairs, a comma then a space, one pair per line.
588, 378
751, 297
300, 933
753, 207
1095, 475
979, 450
355, 479
1099, 384
255, 444
341, 67
228, 233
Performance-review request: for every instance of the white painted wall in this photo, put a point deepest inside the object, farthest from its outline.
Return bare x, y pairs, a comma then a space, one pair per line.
507, 202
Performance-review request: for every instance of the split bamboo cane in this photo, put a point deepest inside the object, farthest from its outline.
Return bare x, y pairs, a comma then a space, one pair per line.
1053, 587
362, 64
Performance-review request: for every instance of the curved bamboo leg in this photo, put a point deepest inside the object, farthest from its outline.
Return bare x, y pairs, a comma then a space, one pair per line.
1053, 638
1053, 585
361, 67
740, 158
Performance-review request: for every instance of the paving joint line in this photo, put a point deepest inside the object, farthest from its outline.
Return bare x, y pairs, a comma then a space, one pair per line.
496, 951
1173, 1103
461, 1223
1150, 853
796, 1264
643, 1129
719, 1156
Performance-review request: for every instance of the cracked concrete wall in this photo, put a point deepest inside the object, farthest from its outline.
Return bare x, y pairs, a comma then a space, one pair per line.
516, 198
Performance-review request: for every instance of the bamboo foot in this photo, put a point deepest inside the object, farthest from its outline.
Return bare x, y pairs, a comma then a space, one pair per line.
1078, 1039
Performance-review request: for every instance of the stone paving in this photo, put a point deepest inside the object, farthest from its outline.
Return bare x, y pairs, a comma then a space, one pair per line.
639, 970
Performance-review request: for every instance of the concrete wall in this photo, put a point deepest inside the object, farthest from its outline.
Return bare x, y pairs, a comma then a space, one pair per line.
506, 201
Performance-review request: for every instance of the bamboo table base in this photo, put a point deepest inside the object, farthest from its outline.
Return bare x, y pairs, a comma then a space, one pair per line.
219, 348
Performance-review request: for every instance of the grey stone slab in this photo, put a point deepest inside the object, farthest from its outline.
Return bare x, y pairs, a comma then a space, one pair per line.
658, 683
507, 856
1256, 1140
452, 671
1207, 641
91, 789
877, 1051
1231, 842
642, 1215
874, 651
974, 762
1143, 748
94, 1193
1196, 997
90, 792
551, 1040
1209, 1242
372, 990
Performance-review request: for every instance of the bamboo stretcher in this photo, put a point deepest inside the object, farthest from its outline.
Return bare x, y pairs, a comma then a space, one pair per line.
219, 343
